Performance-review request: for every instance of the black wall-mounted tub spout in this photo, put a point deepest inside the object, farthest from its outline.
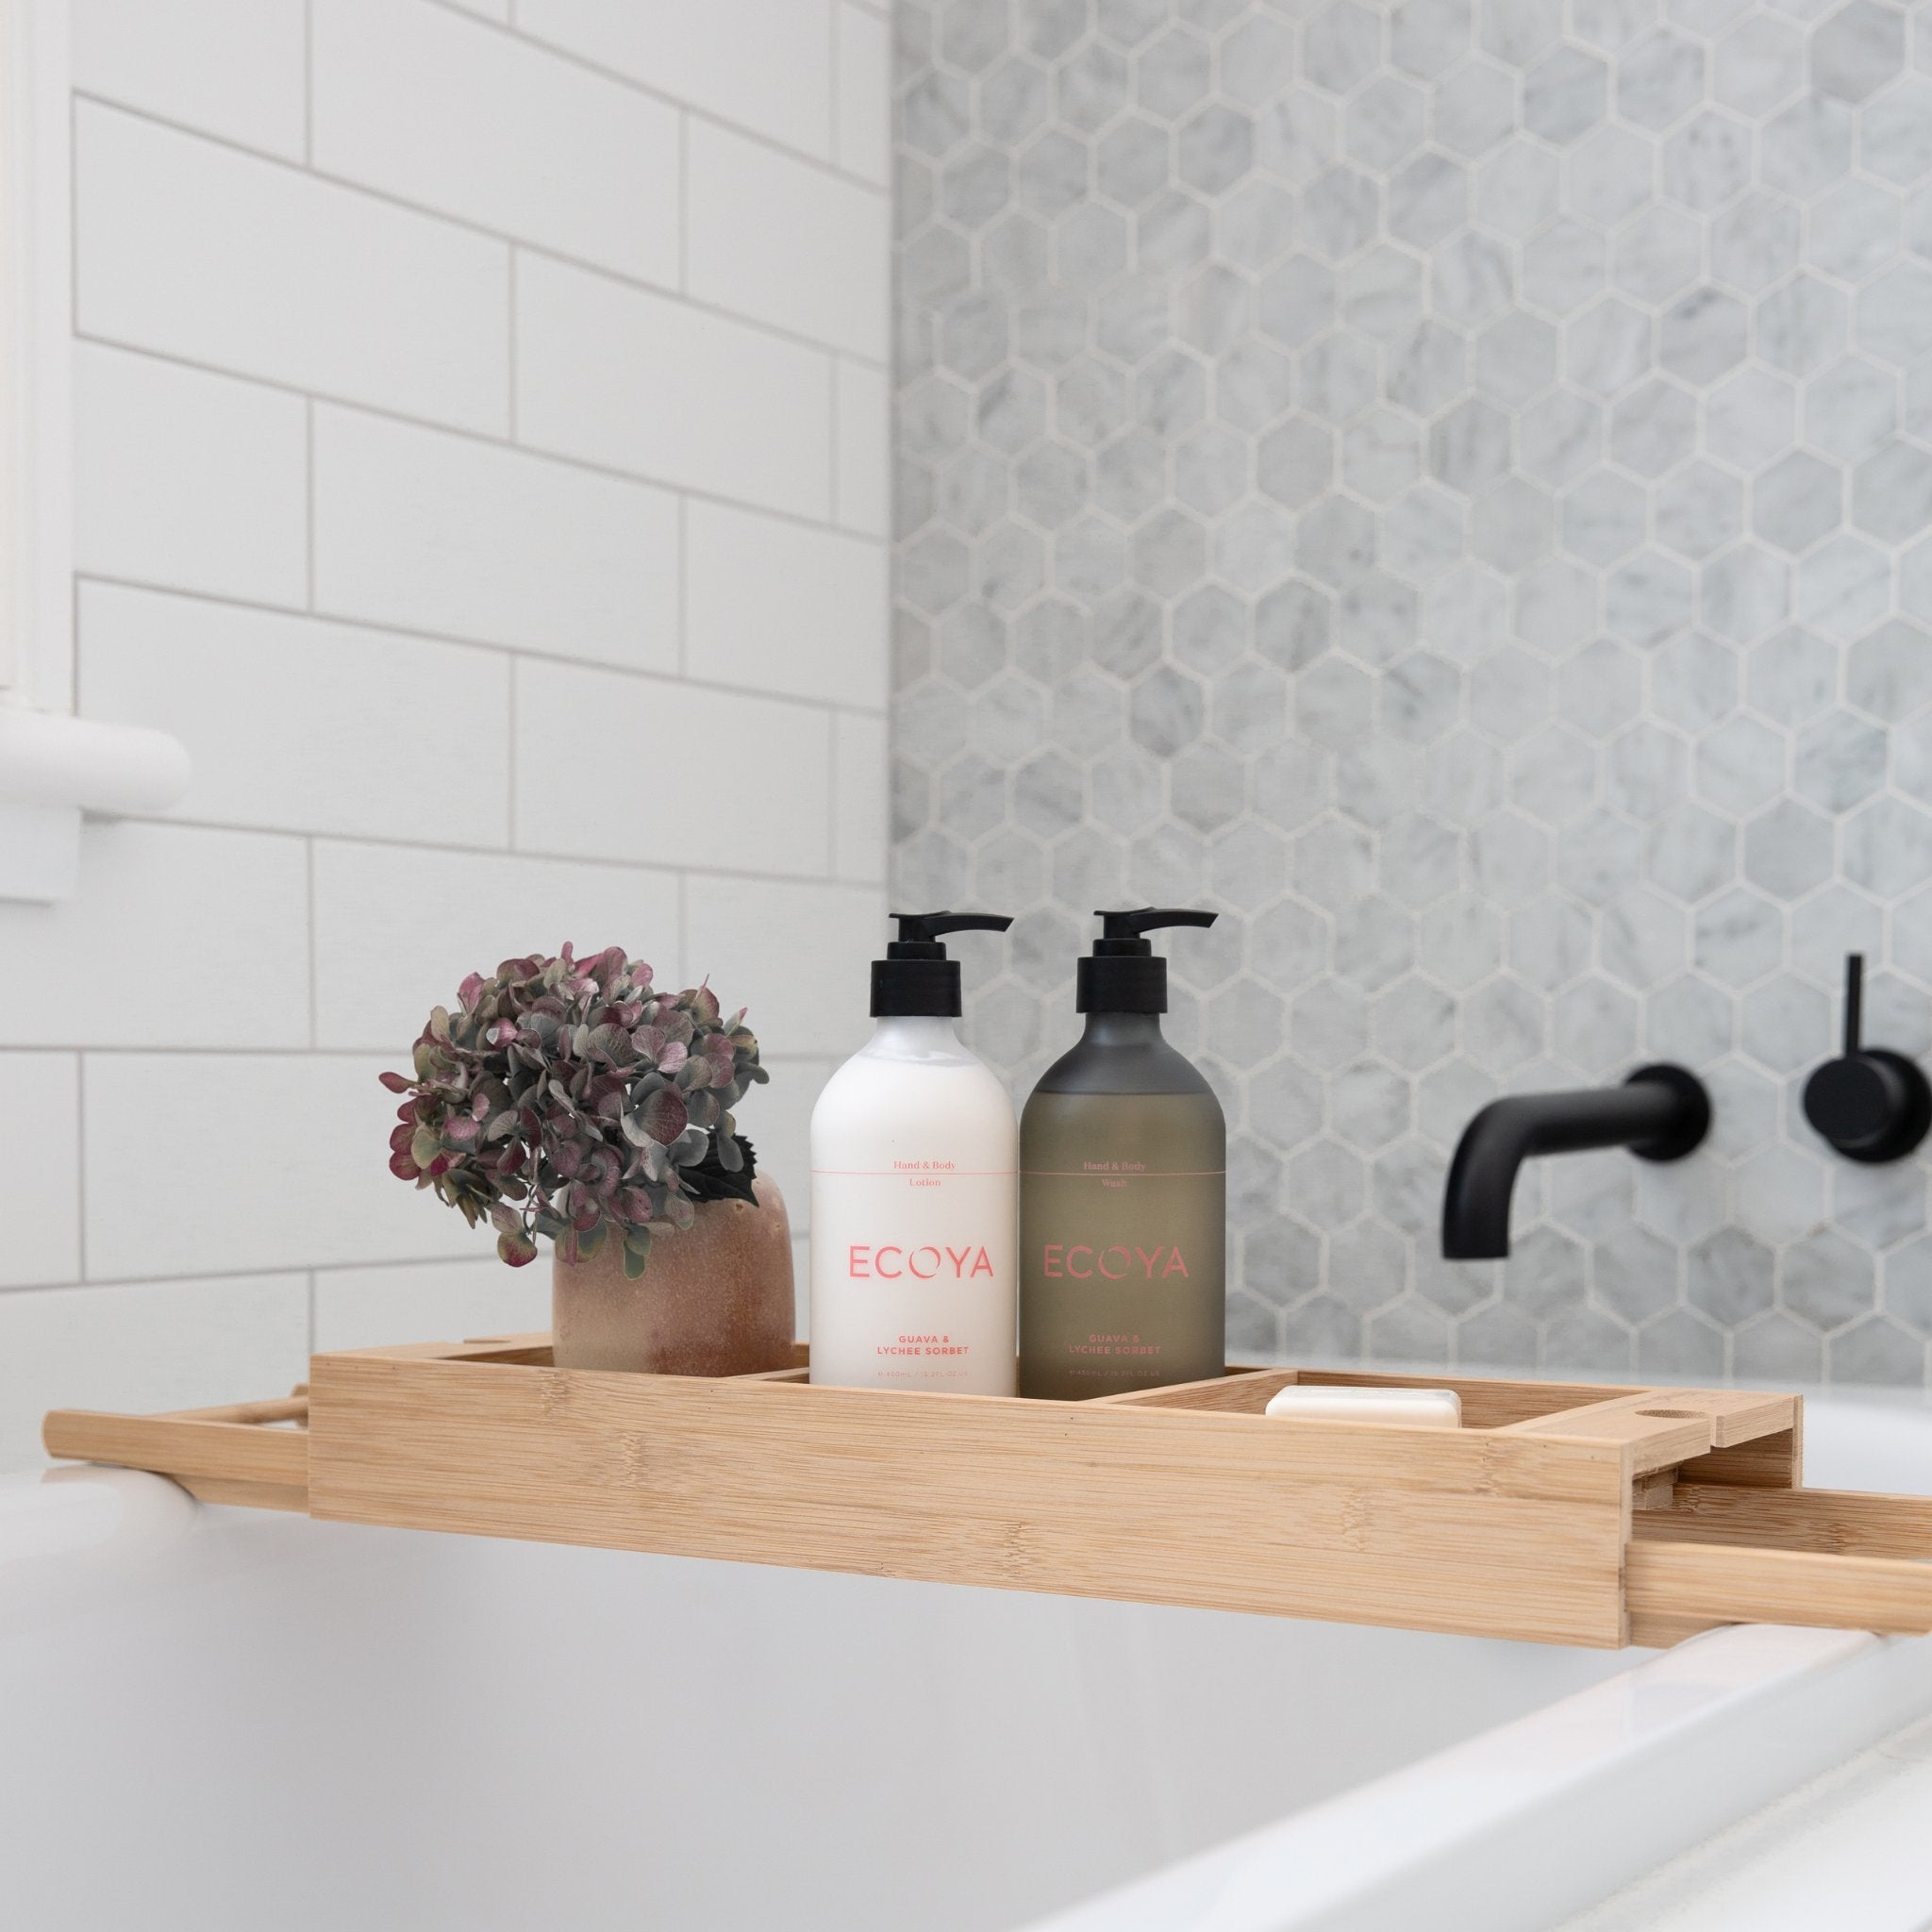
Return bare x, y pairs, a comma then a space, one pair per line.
1660, 1114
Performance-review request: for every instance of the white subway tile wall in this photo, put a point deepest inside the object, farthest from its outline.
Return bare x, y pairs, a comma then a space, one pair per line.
790, 950
40, 1154
1446, 485
359, 1307
859, 820
418, 103
482, 465
193, 481
767, 604
232, 67
431, 531
759, 229
390, 920
764, 65
306, 725
630, 380
128, 961
178, 1344
187, 247
262, 1154
865, 482
864, 131
636, 791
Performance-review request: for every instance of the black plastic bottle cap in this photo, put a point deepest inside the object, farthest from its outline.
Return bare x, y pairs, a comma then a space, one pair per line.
915, 979
1124, 974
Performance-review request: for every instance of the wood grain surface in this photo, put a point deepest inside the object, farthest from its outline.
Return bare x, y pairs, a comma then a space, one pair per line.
1334, 1520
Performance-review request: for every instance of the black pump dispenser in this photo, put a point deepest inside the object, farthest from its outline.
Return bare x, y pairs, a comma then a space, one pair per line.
1124, 974
915, 978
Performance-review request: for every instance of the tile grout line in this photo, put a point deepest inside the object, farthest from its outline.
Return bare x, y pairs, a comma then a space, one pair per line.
314, 948
833, 130
833, 739
74, 215
371, 842
510, 413
466, 225
683, 586
308, 83
374, 842
536, 452
513, 714
308, 502
80, 1162
837, 392
372, 629
685, 967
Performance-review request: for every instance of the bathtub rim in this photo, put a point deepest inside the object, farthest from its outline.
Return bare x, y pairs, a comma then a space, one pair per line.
1589, 1794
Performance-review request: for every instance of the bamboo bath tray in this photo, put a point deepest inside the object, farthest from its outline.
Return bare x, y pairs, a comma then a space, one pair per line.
1559, 1513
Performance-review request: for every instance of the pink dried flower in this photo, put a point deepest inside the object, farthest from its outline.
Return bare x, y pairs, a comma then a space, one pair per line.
569, 1097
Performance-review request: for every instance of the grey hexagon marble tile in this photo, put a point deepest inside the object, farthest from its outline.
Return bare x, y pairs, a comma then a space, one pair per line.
1444, 485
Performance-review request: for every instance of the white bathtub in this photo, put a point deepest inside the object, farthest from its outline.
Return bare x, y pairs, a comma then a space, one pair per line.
218, 1719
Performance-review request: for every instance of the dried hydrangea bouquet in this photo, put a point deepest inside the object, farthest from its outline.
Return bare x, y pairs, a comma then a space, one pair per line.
570, 1099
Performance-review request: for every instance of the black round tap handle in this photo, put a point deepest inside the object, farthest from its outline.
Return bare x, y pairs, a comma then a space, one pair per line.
1871, 1104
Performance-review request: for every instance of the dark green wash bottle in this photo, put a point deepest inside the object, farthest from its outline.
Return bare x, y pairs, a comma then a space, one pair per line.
1122, 1191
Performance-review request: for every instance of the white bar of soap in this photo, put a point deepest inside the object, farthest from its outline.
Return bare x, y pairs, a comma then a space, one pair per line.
1414, 1409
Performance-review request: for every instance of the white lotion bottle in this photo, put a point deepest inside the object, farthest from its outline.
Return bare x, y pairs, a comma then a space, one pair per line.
915, 1158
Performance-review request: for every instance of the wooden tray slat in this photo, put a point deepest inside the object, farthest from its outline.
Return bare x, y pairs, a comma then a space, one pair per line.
181, 1445
1702, 1583
1829, 1522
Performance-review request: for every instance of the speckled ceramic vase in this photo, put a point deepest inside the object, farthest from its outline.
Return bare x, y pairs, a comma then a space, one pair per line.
713, 1299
